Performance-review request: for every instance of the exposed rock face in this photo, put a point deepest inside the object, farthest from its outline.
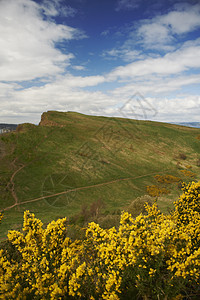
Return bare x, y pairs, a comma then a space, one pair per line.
45, 120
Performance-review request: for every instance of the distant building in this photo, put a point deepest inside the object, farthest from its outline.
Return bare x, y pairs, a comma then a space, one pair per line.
4, 130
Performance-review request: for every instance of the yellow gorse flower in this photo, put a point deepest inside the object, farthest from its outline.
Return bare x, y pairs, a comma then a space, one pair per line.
153, 254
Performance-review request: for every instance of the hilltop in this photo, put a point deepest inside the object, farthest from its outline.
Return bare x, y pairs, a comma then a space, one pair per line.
71, 160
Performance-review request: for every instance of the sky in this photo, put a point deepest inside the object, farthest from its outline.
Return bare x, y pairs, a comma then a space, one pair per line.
136, 59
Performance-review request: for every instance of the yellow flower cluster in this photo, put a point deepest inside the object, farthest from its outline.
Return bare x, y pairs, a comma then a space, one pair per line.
156, 191
153, 255
188, 173
167, 178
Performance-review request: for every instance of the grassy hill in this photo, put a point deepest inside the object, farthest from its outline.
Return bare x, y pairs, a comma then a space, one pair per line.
71, 160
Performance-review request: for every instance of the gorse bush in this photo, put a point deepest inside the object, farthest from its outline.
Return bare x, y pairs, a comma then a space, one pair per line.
156, 191
188, 173
167, 178
152, 256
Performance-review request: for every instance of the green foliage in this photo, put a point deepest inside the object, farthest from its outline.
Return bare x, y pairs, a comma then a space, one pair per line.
137, 206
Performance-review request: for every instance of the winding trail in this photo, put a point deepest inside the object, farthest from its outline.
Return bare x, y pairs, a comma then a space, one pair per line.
12, 188
11, 184
75, 189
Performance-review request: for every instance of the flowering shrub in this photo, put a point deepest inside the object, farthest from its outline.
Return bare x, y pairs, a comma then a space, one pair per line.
156, 191
167, 178
188, 173
153, 256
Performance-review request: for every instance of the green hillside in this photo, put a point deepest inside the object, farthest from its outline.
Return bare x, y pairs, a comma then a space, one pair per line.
72, 160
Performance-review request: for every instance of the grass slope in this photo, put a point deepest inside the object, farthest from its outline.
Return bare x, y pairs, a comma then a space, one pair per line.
72, 159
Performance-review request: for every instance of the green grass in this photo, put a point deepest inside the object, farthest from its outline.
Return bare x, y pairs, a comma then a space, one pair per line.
93, 155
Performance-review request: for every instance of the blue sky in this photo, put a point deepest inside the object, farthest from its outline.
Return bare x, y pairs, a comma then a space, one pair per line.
126, 58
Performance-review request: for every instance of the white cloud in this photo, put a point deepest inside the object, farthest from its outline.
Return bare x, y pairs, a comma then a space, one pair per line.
172, 63
27, 48
161, 31
184, 20
69, 93
178, 109
49, 8
57, 7
62, 94
78, 68
165, 109
156, 86
155, 36
70, 81
126, 55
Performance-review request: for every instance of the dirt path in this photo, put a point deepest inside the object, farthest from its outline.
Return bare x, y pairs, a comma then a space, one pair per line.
77, 189
11, 184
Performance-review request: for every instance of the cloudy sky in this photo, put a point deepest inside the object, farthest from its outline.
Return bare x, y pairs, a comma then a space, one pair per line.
130, 58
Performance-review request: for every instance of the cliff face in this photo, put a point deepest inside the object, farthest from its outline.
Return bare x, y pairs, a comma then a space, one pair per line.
61, 119
46, 120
